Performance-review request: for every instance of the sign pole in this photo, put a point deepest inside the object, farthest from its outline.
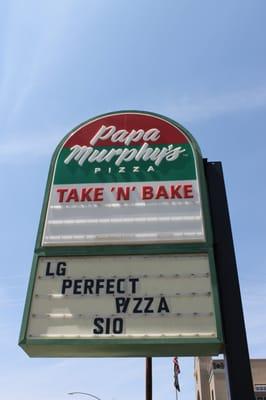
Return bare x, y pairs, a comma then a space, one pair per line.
235, 341
148, 378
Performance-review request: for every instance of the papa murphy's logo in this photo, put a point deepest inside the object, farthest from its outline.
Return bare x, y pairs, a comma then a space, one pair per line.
126, 147
82, 154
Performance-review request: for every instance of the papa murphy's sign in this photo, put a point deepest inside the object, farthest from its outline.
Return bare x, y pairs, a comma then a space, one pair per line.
125, 178
123, 264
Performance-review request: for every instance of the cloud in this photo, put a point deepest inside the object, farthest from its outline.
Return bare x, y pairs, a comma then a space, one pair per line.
18, 276
254, 300
29, 49
23, 149
7, 298
26, 148
196, 108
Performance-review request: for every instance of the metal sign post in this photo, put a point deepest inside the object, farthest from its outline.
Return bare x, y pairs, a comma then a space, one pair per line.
235, 341
148, 378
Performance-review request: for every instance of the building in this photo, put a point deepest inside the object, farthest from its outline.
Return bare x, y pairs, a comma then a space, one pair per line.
211, 380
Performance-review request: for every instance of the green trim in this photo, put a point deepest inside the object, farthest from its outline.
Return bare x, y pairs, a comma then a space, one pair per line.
122, 348
205, 203
215, 293
27, 306
209, 238
170, 248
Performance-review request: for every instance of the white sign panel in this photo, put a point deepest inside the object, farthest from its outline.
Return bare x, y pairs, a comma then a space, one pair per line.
122, 297
114, 220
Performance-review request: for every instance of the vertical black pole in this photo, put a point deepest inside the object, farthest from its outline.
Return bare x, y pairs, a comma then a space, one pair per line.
236, 349
148, 378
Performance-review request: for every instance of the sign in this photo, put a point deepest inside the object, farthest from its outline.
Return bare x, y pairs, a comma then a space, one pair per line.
94, 297
123, 264
125, 178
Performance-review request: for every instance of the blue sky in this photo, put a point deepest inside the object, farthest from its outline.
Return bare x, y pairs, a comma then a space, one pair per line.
62, 62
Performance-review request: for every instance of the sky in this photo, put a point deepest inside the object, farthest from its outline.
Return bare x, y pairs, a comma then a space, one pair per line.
64, 61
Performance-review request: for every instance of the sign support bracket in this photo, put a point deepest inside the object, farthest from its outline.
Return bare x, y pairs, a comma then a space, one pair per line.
237, 361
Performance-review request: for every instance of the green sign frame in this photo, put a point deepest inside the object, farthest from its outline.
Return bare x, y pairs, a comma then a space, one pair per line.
118, 347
